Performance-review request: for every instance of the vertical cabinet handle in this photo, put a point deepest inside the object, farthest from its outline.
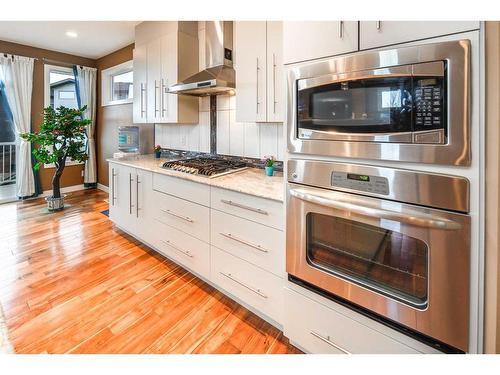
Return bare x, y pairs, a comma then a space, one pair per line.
378, 25
130, 205
157, 87
341, 29
274, 83
257, 85
113, 175
137, 182
143, 101
163, 92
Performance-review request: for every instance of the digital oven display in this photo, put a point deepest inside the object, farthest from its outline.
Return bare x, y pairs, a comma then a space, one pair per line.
358, 177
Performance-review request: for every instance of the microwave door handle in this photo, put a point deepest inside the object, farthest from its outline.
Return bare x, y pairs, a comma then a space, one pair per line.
410, 218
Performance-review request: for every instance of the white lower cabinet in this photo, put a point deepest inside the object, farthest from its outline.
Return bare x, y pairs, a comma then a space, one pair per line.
319, 329
258, 288
184, 249
256, 243
181, 214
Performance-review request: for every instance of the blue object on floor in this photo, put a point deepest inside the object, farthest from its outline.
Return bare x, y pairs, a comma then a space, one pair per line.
105, 212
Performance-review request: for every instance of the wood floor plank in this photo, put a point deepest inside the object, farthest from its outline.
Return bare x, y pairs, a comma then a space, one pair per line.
71, 282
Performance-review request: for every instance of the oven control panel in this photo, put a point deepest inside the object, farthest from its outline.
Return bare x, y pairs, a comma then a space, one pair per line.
366, 183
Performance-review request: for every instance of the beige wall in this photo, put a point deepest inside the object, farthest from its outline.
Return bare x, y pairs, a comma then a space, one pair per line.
72, 174
110, 117
492, 261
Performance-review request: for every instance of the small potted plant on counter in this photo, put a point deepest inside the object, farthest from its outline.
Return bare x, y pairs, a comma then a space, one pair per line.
61, 136
269, 165
157, 151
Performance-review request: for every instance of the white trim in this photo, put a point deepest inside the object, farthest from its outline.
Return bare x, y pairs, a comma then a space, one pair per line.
67, 189
103, 187
106, 82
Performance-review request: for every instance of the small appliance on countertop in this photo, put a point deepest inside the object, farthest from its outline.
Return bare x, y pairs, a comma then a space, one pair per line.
128, 143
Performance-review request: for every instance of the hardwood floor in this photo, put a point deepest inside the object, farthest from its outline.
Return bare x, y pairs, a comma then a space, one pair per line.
72, 283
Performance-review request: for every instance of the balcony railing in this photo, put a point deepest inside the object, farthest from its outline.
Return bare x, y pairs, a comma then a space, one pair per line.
7, 163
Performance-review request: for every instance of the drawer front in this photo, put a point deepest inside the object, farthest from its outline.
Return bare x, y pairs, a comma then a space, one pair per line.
185, 189
260, 210
318, 329
187, 216
256, 287
184, 249
260, 245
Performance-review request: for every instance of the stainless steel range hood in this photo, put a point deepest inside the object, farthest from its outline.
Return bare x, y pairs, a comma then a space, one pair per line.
218, 77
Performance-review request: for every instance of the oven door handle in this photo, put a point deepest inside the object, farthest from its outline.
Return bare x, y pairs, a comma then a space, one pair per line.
408, 217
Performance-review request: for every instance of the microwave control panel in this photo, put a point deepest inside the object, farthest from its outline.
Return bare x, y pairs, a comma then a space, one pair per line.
429, 108
366, 183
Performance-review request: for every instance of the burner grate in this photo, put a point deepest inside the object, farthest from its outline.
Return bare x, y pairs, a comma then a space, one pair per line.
204, 166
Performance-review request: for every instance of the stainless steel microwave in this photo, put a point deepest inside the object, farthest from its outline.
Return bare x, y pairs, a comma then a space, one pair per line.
407, 104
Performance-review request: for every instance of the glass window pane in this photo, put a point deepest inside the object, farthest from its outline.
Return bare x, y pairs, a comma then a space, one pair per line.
387, 261
62, 89
122, 86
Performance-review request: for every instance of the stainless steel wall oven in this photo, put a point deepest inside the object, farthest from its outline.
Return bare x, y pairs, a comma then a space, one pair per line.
393, 242
409, 104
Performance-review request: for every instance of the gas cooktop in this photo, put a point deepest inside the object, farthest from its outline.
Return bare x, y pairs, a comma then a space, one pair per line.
205, 166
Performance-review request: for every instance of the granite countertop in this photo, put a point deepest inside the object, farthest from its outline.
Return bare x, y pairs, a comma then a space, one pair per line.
252, 181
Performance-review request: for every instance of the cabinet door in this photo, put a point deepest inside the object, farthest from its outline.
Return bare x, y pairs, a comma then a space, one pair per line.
275, 78
153, 92
140, 84
144, 205
382, 33
307, 40
122, 207
168, 78
250, 66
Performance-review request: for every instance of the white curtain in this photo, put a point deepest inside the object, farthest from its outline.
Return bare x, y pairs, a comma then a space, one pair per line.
17, 73
86, 85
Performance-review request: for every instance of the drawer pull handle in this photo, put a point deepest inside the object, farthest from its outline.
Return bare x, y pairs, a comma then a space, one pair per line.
327, 340
186, 218
235, 204
244, 242
185, 252
256, 291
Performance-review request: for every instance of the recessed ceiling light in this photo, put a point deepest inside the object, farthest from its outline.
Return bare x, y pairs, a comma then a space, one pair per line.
71, 34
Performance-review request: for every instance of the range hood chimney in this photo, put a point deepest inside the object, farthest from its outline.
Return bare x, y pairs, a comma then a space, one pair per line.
218, 77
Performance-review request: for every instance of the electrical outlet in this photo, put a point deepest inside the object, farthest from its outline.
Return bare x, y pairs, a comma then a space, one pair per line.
83, 173
183, 140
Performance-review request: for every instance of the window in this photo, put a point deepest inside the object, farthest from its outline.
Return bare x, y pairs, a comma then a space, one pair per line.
65, 95
60, 87
118, 84
60, 90
122, 86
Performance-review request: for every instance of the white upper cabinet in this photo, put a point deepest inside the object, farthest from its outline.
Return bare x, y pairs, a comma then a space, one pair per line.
259, 71
250, 65
140, 84
382, 33
165, 53
153, 79
308, 40
275, 74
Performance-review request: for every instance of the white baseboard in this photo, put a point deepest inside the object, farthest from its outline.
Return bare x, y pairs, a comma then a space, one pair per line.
103, 188
67, 189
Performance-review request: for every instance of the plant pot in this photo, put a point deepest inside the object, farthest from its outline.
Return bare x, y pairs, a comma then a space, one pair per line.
55, 204
269, 171
157, 154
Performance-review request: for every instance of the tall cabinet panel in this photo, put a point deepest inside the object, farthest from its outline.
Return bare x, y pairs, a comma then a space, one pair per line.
153, 79
250, 66
308, 40
275, 73
140, 84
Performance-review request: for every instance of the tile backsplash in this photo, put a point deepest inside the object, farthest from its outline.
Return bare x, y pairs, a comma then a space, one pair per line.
254, 140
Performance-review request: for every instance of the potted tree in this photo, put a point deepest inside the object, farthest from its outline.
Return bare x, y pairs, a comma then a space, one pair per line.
61, 136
